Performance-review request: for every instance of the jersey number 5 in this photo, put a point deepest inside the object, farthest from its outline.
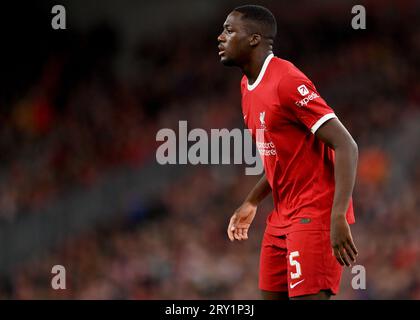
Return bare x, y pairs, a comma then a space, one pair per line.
293, 262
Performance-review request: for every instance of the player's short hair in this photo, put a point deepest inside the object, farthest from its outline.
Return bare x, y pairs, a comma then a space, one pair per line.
262, 17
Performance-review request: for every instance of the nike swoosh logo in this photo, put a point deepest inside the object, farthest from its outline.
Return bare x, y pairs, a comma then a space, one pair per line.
292, 285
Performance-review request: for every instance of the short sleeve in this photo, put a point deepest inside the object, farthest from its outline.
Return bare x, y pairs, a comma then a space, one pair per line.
299, 95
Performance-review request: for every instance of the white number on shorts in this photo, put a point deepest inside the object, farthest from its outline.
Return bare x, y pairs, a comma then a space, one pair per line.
298, 273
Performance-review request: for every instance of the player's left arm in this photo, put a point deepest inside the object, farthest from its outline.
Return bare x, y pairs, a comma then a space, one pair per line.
303, 103
336, 136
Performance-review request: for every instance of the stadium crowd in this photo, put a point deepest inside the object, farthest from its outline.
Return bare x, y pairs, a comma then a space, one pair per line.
79, 121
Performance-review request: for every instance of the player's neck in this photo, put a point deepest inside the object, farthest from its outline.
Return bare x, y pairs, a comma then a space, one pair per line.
253, 68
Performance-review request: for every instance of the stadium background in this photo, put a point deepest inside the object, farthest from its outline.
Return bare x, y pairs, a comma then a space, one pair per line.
79, 112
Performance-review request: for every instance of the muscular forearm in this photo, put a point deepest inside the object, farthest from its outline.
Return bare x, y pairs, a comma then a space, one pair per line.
346, 155
259, 192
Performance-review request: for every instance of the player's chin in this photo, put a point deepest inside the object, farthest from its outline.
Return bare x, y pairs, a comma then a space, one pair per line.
226, 61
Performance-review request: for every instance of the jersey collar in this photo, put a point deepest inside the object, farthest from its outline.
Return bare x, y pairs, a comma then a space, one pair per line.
261, 74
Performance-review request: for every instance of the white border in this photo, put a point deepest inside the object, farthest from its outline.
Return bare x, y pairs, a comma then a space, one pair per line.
322, 120
261, 74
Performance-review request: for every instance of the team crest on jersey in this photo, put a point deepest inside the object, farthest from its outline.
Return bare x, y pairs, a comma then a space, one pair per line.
262, 116
303, 90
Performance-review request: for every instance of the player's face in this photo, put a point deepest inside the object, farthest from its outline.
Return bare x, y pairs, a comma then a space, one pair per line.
233, 41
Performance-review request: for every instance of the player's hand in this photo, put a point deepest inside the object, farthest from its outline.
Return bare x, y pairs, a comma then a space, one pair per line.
341, 241
241, 221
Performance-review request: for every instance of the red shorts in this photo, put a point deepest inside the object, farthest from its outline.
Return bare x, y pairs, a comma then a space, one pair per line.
300, 263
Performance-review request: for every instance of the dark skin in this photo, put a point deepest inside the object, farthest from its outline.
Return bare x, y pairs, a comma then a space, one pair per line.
241, 45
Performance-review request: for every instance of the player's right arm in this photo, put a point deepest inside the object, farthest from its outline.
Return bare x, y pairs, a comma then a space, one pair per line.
242, 218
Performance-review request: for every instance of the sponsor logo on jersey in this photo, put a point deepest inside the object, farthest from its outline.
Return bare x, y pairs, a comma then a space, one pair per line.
266, 148
303, 90
304, 102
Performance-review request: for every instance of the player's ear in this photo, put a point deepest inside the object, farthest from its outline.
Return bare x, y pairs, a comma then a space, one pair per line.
255, 40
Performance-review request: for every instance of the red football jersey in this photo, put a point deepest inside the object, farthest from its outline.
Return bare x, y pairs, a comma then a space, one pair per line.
285, 105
